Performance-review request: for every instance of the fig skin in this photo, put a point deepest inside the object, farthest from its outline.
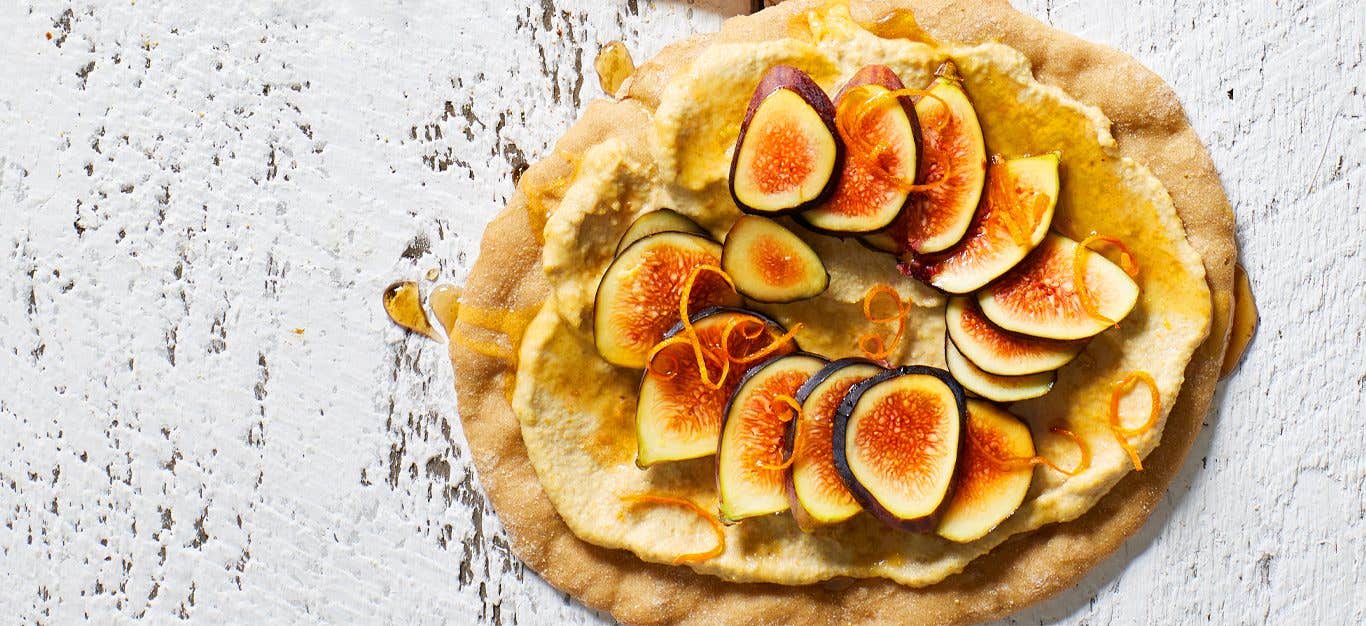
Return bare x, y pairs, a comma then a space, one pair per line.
996, 350
643, 460
659, 221
609, 341
983, 483
805, 520
1046, 276
988, 248
803, 362
786, 77
844, 414
992, 386
856, 169
957, 200
741, 260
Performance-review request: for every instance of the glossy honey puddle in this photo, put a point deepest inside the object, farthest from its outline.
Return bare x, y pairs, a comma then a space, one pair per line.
1244, 323
614, 65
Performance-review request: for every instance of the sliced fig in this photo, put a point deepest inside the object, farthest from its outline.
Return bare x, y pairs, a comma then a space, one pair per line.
1012, 218
771, 264
880, 242
637, 299
750, 468
897, 438
1039, 297
659, 221
814, 488
999, 351
677, 416
952, 145
788, 153
993, 475
882, 147
992, 386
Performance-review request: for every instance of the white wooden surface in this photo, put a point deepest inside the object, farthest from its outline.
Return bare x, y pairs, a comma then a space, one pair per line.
182, 184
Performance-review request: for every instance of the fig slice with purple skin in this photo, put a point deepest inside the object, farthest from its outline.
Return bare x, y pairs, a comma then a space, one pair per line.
881, 146
771, 264
814, 488
992, 386
896, 441
788, 154
659, 221
999, 351
637, 298
678, 416
952, 146
1039, 296
1013, 217
751, 469
993, 476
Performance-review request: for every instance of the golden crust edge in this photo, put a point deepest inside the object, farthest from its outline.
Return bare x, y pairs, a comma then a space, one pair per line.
1024, 570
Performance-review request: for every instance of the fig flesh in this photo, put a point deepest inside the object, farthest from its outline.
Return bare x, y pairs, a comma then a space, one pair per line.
1039, 296
750, 464
637, 299
677, 416
788, 153
882, 147
999, 351
992, 386
659, 221
1012, 218
771, 264
993, 474
952, 145
815, 490
896, 441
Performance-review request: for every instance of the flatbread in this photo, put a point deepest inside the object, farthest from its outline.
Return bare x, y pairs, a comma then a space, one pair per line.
1150, 128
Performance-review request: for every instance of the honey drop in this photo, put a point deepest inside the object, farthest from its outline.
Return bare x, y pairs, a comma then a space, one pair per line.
403, 303
614, 66
445, 305
1245, 318
899, 24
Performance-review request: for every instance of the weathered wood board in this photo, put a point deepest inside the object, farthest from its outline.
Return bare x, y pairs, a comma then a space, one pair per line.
205, 414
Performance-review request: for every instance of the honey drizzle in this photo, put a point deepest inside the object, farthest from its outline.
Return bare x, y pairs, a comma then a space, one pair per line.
899, 24
1243, 325
444, 301
614, 65
536, 212
403, 303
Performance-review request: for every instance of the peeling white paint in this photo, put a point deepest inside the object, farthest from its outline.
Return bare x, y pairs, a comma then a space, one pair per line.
184, 184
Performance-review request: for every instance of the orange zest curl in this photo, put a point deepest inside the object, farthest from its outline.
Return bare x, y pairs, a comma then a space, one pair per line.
853, 132
767, 350
873, 345
716, 527
1126, 262
1022, 462
797, 439
1117, 393
684, 298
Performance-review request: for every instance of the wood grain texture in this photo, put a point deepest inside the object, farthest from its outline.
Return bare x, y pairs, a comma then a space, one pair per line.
183, 185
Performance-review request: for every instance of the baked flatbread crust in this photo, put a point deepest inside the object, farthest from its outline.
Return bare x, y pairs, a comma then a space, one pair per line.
1149, 126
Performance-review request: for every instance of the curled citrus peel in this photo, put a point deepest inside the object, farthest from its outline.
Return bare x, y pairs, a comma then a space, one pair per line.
797, 440
851, 127
873, 345
1019, 224
1022, 462
1117, 393
684, 298
716, 527
762, 353
1126, 262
